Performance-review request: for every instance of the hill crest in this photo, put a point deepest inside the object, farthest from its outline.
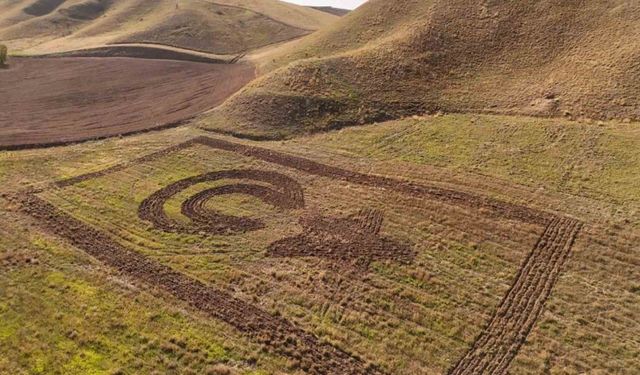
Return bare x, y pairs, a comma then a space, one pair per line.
220, 27
393, 59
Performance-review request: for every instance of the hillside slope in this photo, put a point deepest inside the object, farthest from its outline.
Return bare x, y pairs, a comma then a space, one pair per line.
392, 59
331, 10
222, 27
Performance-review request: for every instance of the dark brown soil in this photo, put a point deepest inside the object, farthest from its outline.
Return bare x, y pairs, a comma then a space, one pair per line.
313, 355
284, 193
494, 348
491, 206
65, 100
351, 241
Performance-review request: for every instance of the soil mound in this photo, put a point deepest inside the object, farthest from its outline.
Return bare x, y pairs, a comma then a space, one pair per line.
393, 59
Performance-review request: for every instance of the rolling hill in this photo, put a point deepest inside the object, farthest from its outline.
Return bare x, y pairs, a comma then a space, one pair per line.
331, 10
434, 243
221, 27
391, 59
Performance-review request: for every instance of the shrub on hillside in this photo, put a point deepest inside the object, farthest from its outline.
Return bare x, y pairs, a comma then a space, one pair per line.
3, 54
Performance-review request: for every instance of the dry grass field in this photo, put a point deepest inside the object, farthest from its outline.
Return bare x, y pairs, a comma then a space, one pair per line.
484, 219
222, 26
393, 59
384, 241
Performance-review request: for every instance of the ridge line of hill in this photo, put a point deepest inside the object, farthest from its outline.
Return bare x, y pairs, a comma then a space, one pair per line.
260, 13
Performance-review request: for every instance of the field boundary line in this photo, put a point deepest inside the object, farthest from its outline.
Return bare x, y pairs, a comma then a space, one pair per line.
492, 351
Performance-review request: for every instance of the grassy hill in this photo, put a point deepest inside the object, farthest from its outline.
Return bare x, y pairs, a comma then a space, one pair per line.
222, 27
388, 60
337, 11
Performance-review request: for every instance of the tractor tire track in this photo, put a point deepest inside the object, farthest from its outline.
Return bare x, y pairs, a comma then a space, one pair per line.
492, 351
516, 315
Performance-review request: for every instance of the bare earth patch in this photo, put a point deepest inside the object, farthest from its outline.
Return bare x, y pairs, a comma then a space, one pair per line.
64, 100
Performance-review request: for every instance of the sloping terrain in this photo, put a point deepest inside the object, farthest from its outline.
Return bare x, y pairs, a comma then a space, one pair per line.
447, 243
222, 27
465, 244
97, 98
390, 59
331, 10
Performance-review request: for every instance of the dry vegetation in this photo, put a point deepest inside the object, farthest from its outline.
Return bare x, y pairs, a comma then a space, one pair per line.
391, 59
418, 311
447, 243
222, 27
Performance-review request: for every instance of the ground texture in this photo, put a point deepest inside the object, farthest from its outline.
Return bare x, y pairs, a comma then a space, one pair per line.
222, 27
374, 250
393, 59
62, 100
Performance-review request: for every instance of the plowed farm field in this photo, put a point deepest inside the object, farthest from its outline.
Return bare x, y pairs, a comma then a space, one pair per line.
53, 101
336, 266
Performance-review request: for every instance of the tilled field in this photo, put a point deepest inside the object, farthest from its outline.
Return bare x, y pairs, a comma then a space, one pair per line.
64, 100
351, 242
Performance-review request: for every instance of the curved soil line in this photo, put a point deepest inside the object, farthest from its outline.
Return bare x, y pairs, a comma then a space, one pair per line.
276, 333
284, 193
492, 206
214, 223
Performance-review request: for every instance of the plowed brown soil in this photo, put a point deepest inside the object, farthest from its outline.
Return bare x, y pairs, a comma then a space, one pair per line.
279, 334
354, 240
494, 348
285, 193
49, 102
491, 206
